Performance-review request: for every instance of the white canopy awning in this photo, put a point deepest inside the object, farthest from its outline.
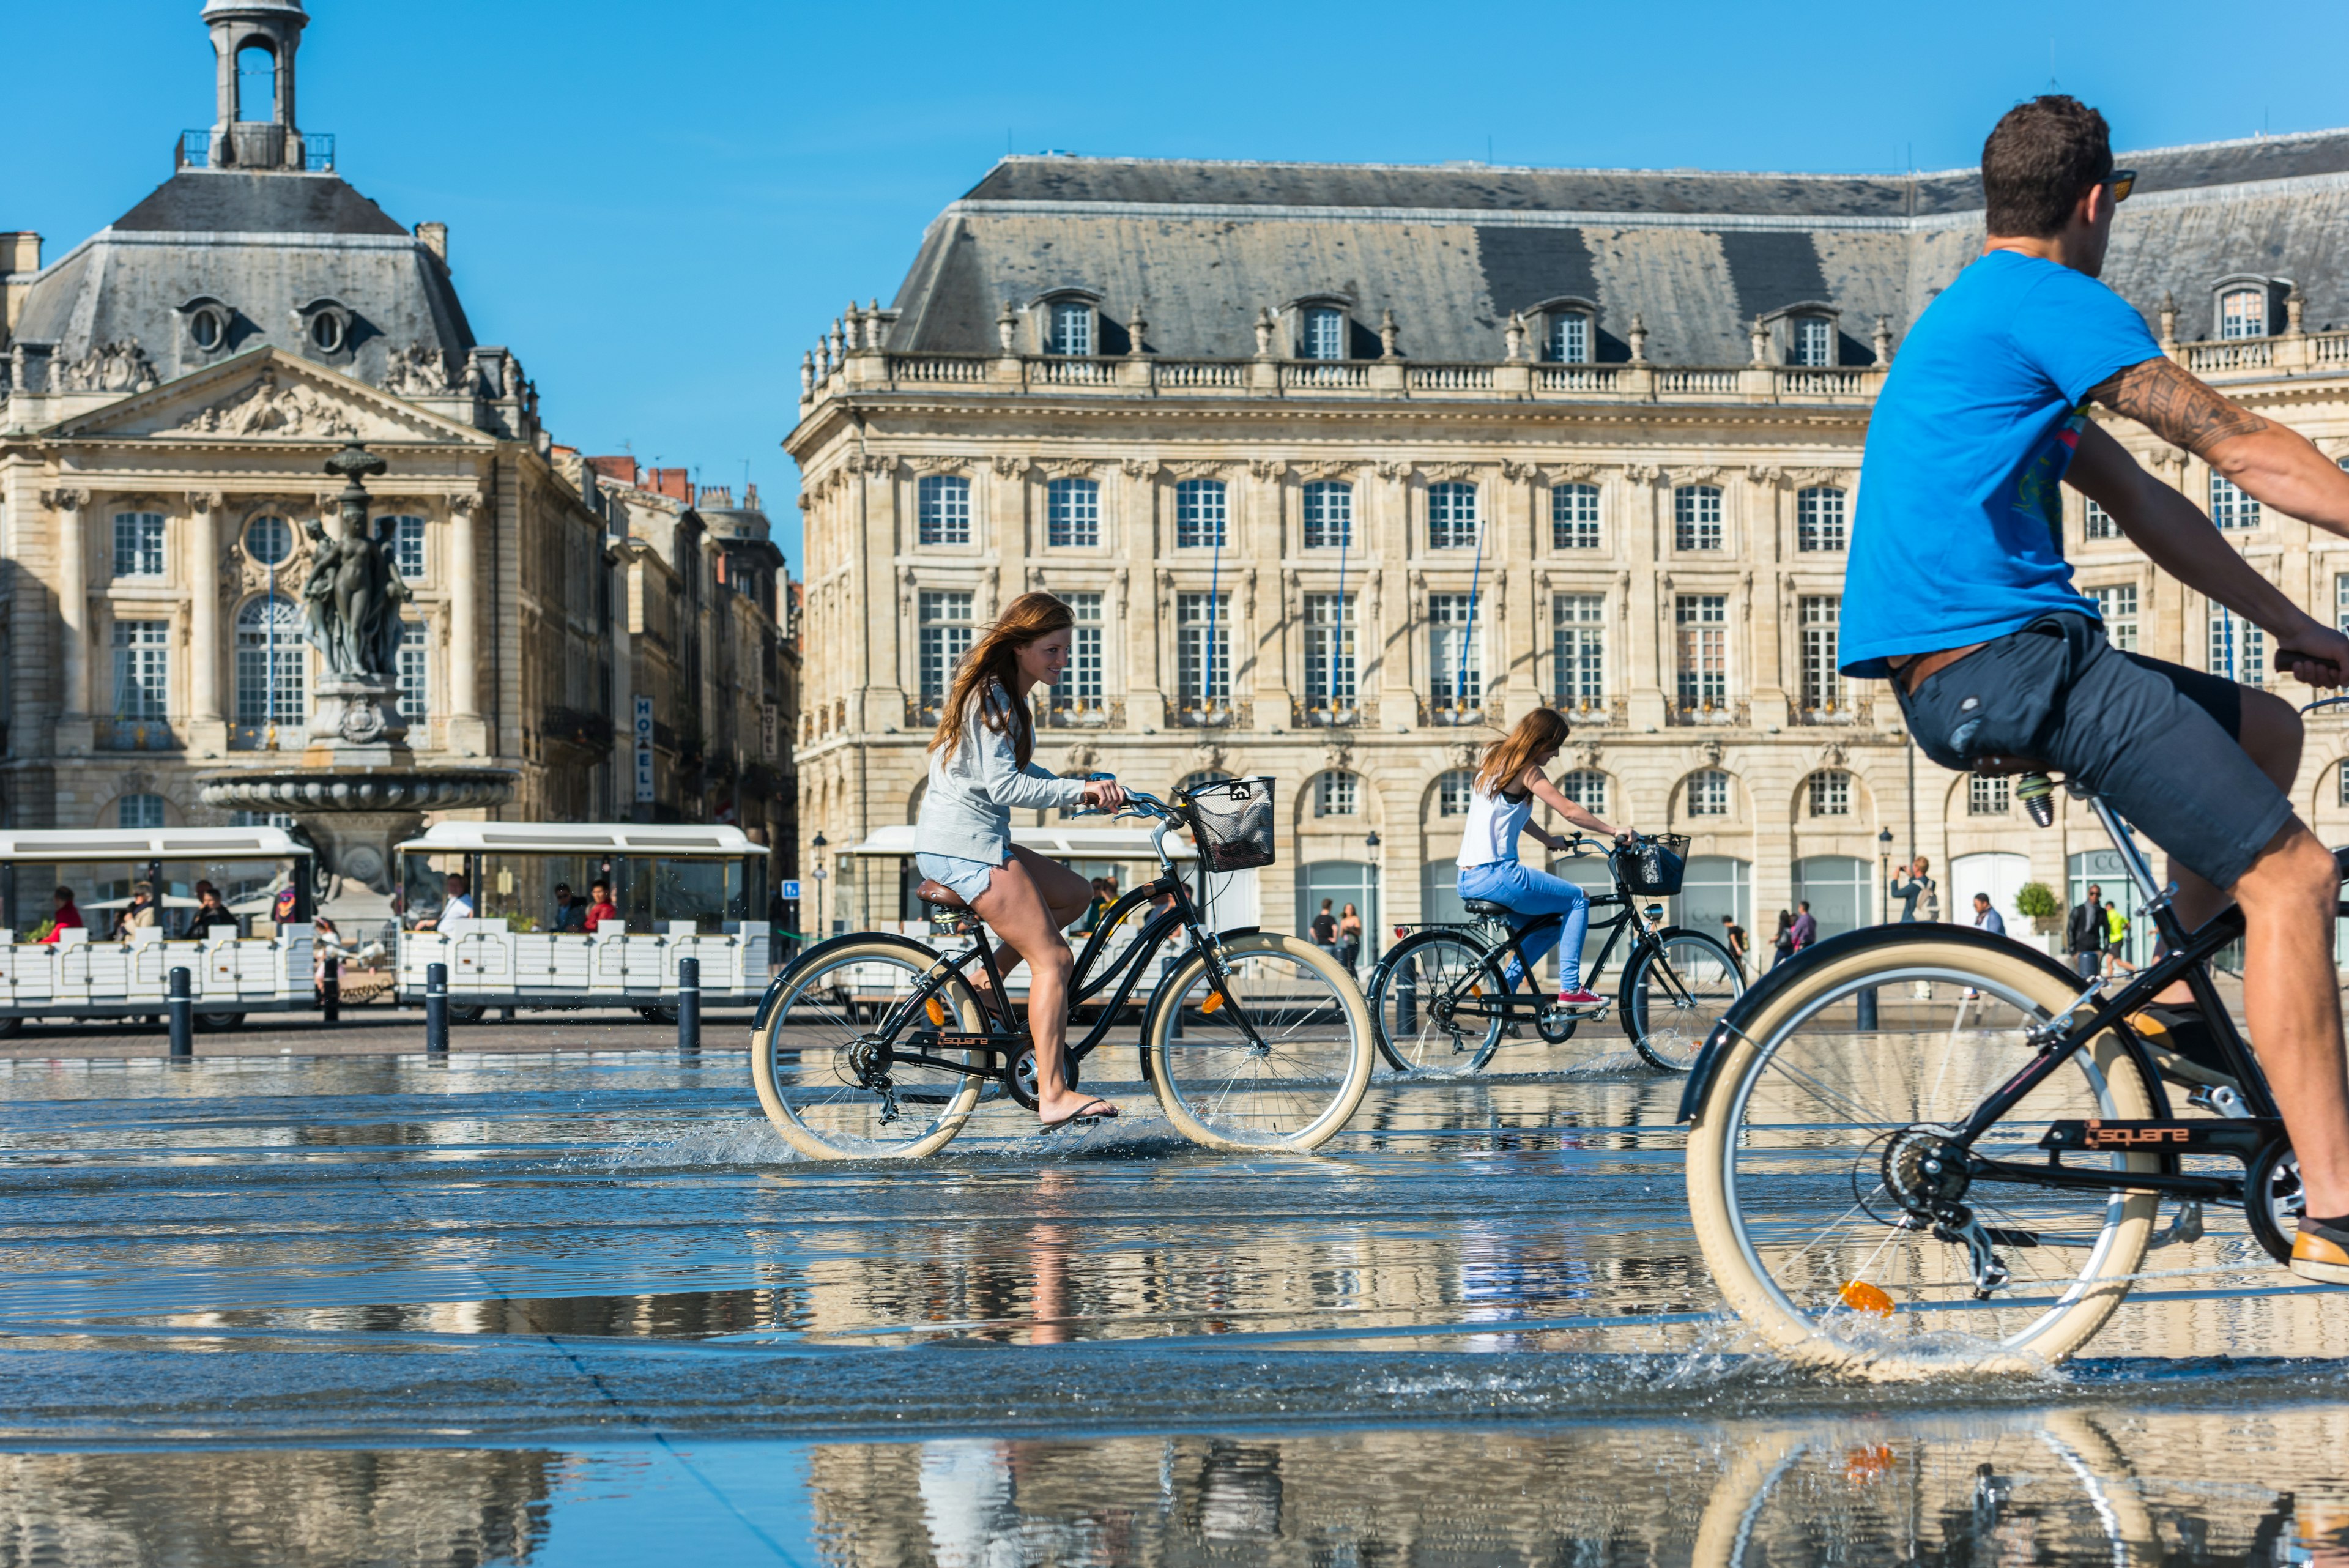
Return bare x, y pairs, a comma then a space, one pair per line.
1061, 840
85, 845
696, 841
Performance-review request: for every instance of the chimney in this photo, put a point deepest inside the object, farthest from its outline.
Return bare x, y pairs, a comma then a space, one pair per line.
717, 498
20, 258
751, 498
677, 483
435, 238
619, 470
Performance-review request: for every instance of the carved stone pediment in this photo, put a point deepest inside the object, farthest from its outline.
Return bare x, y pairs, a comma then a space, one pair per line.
417, 370
270, 395
938, 464
269, 407
117, 366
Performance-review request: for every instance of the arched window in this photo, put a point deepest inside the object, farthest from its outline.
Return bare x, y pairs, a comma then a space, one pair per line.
1199, 513
1337, 794
1329, 514
139, 810
2243, 313
1451, 791
1324, 334
1708, 793
1831, 793
1819, 518
272, 664
1072, 328
1452, 515
256, 84
327, 330
942, 507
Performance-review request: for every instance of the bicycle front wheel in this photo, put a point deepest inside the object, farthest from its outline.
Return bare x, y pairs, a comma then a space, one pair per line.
823, 1058
1674, 992
1808, 1125
1275, 1058
1416, 1000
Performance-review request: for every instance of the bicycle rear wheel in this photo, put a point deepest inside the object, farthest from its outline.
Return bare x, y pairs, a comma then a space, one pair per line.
1807, 1122
1674, 993
1414, 999
814, 1057
1277, 1058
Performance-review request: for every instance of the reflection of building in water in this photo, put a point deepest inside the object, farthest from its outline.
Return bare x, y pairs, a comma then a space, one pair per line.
214, 1509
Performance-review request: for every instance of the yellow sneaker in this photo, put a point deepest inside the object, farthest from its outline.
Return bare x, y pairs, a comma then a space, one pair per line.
2320, 1252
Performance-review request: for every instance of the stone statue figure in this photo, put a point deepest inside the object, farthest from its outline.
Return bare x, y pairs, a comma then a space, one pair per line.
353, 592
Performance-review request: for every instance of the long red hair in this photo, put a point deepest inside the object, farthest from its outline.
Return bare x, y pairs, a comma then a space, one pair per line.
1506, 760
995, 658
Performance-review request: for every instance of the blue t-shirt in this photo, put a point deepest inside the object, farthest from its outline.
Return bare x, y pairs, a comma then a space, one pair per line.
1958, 535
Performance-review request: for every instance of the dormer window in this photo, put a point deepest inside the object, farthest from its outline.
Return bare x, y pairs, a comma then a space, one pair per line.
1569, 337
1812, 342
327, 330
207, 329
2243, 313
1071, 328
326, 326
1324, 333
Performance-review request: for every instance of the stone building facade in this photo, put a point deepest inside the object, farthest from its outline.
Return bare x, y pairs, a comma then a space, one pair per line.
1354, 465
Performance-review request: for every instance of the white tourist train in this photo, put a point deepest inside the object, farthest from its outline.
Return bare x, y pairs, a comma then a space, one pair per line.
677, 892
111, 961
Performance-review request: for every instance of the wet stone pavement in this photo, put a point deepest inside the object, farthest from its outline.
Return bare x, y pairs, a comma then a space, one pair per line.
586, 1308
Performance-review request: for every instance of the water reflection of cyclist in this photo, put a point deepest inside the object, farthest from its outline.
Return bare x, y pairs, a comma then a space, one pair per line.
980, 771
1508, 780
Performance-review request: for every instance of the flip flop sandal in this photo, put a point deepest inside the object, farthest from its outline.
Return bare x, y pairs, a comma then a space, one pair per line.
1085, 1114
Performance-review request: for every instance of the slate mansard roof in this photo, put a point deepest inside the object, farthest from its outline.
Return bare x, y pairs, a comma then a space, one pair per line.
1201, 247
265, 245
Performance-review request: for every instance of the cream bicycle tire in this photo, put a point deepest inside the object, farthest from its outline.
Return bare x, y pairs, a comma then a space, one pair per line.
1168, 1060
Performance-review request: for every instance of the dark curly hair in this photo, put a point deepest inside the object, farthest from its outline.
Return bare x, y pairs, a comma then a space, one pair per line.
2041, 158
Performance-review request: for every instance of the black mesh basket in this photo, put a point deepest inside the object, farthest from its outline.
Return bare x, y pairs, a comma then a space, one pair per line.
1654, 867
1232, 820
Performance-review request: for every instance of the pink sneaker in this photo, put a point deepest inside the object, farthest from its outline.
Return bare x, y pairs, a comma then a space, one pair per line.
1580, 997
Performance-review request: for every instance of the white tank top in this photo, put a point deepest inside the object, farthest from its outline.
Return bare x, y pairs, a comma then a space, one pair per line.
1494, 822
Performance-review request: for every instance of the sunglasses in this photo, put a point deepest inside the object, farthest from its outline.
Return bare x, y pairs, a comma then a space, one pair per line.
2122, 180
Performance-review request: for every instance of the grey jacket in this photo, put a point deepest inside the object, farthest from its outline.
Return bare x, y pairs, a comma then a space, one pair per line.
967, 809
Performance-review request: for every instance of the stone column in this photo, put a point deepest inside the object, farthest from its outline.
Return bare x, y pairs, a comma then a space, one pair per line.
73, 616
204, 569
1647, 613
467, 733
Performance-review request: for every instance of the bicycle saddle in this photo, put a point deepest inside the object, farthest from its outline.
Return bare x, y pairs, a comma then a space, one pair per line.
939, 894
1488, 910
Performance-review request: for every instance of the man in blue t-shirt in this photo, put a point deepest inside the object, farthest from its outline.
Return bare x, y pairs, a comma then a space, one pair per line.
1959, 594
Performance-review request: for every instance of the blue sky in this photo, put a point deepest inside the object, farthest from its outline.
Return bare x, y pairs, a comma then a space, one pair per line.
659, 206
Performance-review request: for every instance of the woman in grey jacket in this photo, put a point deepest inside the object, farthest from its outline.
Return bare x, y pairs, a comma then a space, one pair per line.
980, 772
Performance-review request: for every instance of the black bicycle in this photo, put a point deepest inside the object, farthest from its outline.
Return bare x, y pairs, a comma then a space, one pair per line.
877, 1046
1440, 998
1997, 1173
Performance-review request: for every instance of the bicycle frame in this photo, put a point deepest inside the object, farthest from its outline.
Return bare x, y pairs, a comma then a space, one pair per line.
1627, 916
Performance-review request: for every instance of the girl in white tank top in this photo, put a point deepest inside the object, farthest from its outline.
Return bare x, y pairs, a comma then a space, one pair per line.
1509, 778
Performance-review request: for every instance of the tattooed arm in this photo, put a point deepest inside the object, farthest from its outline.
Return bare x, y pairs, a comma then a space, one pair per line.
2176, 535
2274, 464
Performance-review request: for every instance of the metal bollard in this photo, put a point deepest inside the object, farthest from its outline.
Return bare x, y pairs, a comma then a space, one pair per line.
1406, 1000
330, 989
182, 1010
436, 1008
688, 1005
1863, 1003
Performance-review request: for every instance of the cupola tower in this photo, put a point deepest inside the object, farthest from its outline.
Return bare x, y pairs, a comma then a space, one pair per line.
255, 43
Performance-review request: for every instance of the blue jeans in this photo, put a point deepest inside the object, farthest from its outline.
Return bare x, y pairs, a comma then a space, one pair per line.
1531, 893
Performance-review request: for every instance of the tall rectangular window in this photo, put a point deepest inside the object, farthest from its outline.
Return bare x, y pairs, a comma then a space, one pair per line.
2229, 507
2243, 313
942, 509
1455, 665
1329, 514
1696, 517
2116, 603
2239, 649
1325, 333
1202, 650
415, 673
407, 546
1701, 624
1072, 513
142, 669
2098, 523
1574, 517
1079, 690
1569, 337
1330, 682
946, 634
1822, 616
139, 544
272, 664
2341, 602
1199, 513
1814, 342
1578, 650
1452, 515
1819, 519
1072, 327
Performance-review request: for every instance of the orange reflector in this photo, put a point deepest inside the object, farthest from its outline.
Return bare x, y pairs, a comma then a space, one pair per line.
936, 1010
1861, 1296
1214, 999
1864, 1467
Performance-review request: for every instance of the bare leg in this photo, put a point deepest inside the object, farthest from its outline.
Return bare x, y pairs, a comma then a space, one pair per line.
2271, 733
1054, 880
2293, 1005
1019, 907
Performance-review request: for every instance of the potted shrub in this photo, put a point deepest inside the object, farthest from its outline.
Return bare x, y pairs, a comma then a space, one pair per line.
2037, 900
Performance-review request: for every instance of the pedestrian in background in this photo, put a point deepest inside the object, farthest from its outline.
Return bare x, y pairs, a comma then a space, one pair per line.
600, 908
2086, 934
67, 919
1734, 935
1987, 918
1349, 938
1805, 930
1921, 896
138, 914
1782, 945
1325, 929
2117, 925
567, 909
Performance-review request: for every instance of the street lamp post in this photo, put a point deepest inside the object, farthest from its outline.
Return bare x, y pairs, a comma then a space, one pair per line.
1864, 1004
1370, 844
818, 844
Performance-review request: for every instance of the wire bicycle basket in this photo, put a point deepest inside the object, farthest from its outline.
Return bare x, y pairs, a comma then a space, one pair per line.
1231, 819
1654, 867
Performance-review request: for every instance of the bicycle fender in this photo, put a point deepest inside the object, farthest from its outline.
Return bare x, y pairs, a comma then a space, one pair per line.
1775, 979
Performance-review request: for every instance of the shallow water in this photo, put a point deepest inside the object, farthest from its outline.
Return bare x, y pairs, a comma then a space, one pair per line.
589, 1309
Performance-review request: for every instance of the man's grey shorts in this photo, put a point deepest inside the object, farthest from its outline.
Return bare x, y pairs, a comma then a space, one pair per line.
2156, 740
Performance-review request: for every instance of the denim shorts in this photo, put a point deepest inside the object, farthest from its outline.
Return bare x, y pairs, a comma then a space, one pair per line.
968, 878
2156, 740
